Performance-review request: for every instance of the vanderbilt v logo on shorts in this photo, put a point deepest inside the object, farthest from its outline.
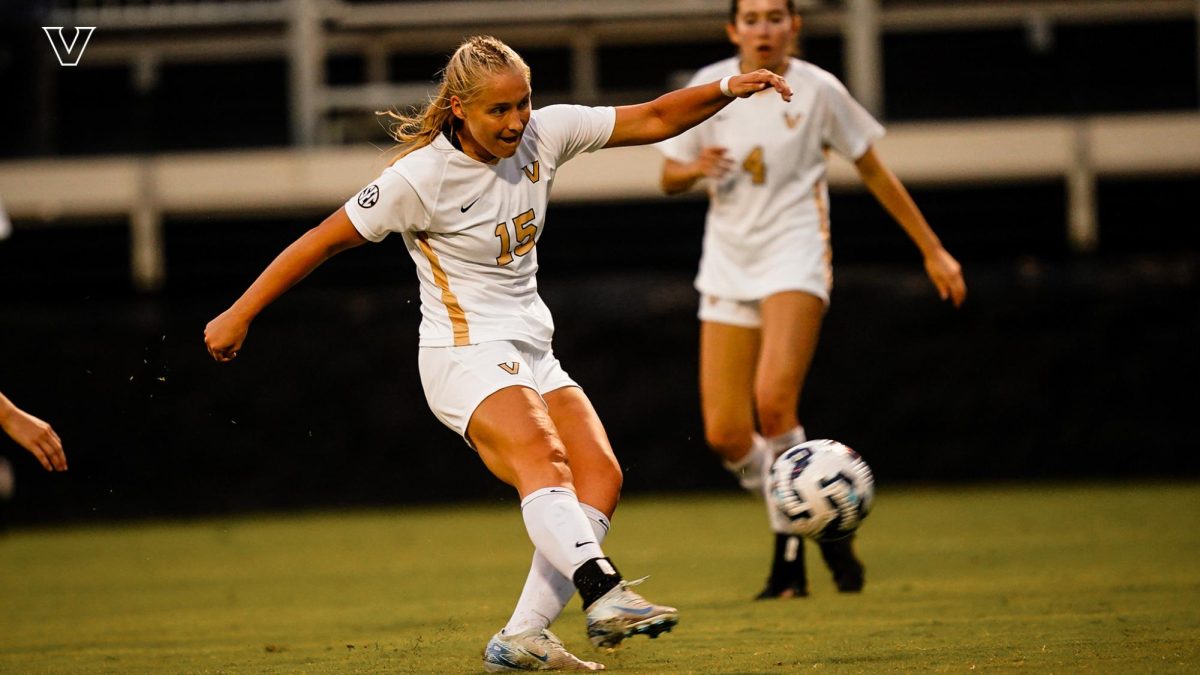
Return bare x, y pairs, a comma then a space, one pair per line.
792, 121
512, 367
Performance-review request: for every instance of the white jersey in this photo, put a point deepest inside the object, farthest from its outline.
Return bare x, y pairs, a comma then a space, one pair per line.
472, 228
767, 228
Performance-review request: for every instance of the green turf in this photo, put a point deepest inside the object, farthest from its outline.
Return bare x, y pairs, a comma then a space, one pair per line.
1043, 579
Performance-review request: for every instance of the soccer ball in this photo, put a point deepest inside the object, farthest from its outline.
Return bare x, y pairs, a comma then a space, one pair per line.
823, 489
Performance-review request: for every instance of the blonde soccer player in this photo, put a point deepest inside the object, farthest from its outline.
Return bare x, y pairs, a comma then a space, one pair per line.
468, 197
765, 275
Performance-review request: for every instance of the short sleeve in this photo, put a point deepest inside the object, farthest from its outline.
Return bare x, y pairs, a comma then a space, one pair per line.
389, 204
567, 130
849, 128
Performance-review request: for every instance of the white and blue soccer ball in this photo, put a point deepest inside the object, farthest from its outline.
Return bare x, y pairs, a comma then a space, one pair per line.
823, 489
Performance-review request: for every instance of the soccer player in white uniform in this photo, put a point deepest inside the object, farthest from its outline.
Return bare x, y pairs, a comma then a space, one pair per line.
765, 272
469, 197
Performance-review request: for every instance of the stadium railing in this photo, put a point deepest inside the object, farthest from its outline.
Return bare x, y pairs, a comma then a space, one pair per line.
144, 188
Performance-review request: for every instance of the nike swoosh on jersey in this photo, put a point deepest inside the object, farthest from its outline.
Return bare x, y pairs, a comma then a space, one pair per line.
583, 543
464, 209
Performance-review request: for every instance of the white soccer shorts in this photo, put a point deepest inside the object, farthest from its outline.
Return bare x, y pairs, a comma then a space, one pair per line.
458, 379
743, 313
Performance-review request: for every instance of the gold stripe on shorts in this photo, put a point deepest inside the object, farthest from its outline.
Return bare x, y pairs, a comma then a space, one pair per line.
458, 318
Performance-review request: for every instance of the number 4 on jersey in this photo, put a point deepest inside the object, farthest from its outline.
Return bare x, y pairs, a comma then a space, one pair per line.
753, 164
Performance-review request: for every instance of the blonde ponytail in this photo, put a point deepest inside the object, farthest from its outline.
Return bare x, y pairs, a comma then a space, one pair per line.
464, 76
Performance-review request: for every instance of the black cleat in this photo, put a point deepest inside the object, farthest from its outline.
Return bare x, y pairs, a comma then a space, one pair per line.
773, 592
848, 573
788, 578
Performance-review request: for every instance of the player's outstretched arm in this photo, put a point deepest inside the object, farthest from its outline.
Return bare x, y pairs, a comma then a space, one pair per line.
34, 435
677, 111
225, 334
942, 268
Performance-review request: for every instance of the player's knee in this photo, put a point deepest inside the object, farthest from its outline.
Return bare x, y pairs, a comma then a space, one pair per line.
610, 474
598, 482
726, 439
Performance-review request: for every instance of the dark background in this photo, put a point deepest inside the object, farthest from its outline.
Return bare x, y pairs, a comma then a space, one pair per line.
1060, 366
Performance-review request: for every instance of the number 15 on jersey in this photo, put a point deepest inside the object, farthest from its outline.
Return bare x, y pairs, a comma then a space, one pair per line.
525, 234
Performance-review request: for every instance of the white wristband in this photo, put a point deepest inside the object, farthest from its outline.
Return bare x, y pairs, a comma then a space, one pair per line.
725, 86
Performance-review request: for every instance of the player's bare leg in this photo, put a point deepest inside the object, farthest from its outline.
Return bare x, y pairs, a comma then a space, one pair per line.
597, 472
790, 330
728, 355
728, 360
515, 437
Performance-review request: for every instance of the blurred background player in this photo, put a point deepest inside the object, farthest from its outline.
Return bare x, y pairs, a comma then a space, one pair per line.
30, 433
765, 273
33, 434
469, 196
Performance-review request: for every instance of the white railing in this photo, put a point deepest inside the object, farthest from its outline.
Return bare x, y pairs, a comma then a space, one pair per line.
316, 181
313, 179
305, 31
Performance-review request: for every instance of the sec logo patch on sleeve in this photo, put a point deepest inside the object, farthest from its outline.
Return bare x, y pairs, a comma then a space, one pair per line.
369, 196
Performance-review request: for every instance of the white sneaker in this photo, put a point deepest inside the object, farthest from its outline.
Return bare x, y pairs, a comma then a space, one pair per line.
534, 649
621, 613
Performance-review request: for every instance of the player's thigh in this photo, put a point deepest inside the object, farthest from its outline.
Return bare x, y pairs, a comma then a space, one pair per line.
790, 331
728, 355
594, 467
457, 379
516, 438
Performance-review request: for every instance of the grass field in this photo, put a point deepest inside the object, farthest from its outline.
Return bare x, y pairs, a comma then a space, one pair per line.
1042, 579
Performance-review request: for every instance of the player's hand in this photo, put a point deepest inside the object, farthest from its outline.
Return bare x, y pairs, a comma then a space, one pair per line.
224, 335
946, 274
37, 437
712, 163
748, 84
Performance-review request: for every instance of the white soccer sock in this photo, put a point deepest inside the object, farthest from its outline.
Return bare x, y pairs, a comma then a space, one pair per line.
773, 448
777, 444
559, 529
750, 469
546, 590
